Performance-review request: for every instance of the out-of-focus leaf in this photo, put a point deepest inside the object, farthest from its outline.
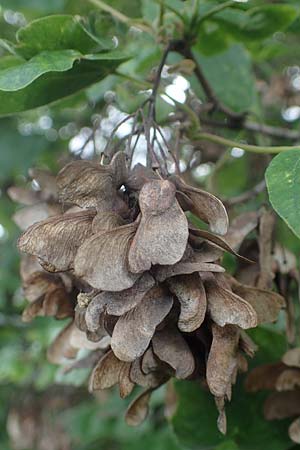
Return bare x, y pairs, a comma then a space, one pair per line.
283, 183
233, 81
57, 32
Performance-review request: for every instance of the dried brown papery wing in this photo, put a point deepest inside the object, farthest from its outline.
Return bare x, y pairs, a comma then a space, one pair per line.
102, 260
57, 302
162, 234
222, 419
190, 292
125, 384
86, 184
33, 310
288, 380
117, 303
149, 361
38, 284
218, 241
206, 206
169, 346
25, 217
22, 195
134, 330
106, 373
294, 431
292, 357
106, 221
138, 176
240, 227
56, 240
267, 304
225, 307
222, 359
265, 241
46, 181
264, 377
138, 409
281, 405
181, 268
152, 379
61, 348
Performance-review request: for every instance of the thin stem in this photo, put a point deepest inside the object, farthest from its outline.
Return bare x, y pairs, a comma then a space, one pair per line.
245, 196
209, 91
215, 10
247, 147
268, 130
109, 9
120, 16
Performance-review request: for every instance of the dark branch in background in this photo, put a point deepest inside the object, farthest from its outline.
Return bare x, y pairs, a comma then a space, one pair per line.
268, 130
245, 196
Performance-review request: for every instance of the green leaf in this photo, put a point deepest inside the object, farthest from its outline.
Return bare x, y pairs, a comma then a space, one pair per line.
57, 32
256, 23
51, 76
230, 75
195, 419
283, 183
20, 76
265, 20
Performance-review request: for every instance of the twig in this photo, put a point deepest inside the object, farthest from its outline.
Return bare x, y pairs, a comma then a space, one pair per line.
215, 10
248, 195
247, 147
268, 130
120, 16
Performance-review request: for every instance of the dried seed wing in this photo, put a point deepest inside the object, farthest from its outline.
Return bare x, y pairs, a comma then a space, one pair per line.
281, 405
169, 346
138, 409
22, 195
29, 215
119, 169
46, 181
264, 377
206, 206
292, 357
288, 380
267, 304
33, 310
102, 260
190, 292
86, 184
125, 384
55, 241
106, 373
134, 330
152, 379
265, 241
225, 307
185, 268
217, 240
61, 348
222, 359
162, 234
240, 227
106, 221
294, 431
